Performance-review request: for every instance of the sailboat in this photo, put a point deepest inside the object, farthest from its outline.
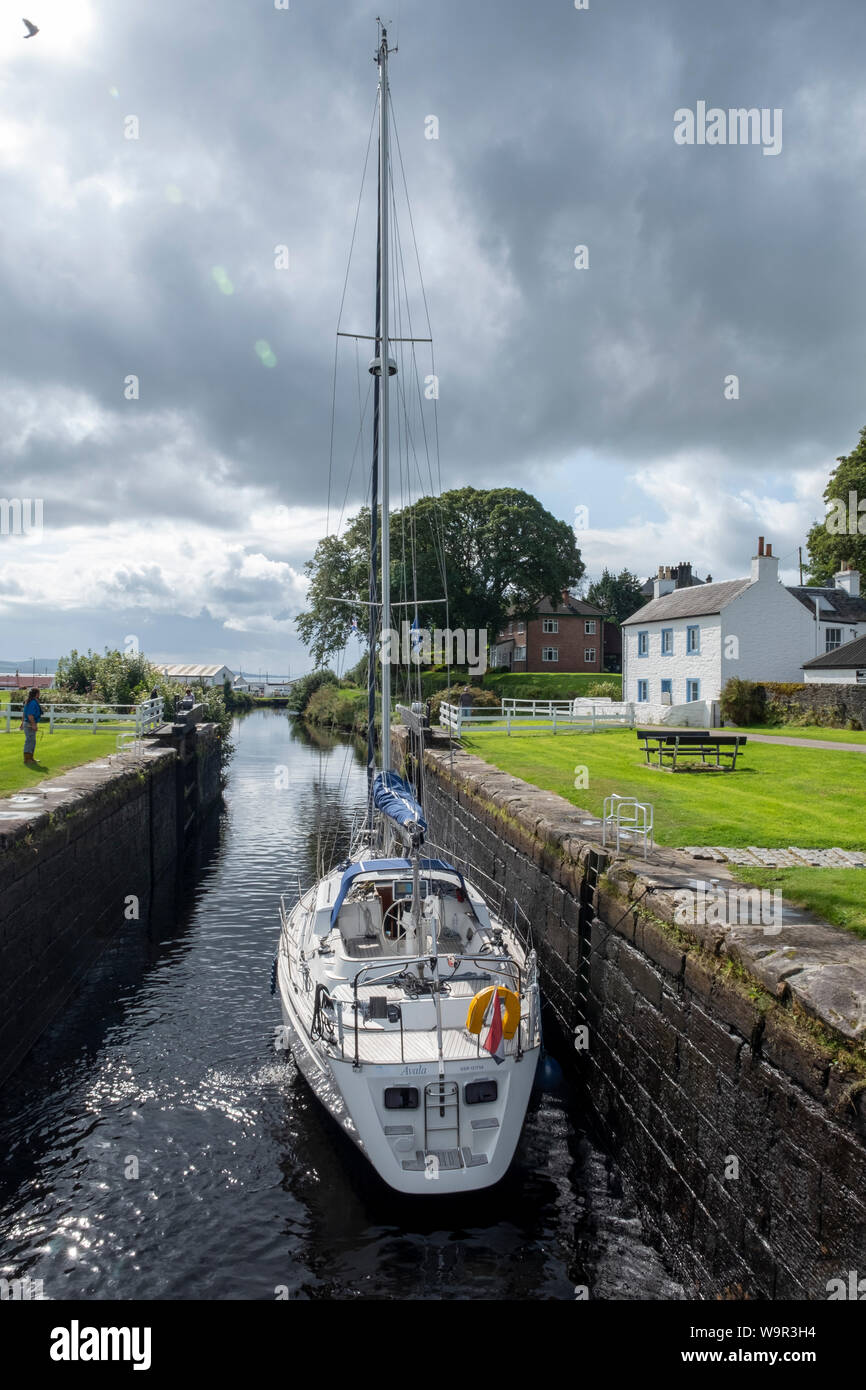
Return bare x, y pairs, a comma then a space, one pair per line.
410, 1008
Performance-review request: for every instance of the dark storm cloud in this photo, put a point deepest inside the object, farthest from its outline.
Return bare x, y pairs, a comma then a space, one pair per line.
556, 128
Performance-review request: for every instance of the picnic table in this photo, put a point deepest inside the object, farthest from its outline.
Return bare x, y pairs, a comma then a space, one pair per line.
663, 744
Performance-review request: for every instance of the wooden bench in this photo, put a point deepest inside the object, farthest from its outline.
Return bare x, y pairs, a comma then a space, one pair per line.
692, 743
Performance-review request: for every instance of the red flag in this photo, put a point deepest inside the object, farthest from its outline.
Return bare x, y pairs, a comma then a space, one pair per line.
494, 1043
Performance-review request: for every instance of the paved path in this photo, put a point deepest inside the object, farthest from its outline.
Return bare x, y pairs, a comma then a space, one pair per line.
790, 858
806, 742
775, 738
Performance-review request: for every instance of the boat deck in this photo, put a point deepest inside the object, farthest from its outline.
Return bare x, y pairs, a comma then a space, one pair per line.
464, 987
377, 948
418, 1045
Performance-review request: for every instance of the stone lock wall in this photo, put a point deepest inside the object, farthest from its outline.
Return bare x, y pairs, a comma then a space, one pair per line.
738, 1115
100, 834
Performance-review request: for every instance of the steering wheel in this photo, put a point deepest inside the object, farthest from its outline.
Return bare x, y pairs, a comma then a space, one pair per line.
395, 912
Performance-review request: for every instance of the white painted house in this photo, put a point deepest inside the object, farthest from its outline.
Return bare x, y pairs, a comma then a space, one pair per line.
845, 665
198, 675
685, 643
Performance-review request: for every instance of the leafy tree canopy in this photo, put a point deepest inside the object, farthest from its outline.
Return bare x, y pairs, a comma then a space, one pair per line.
841, 536
495, 552
619, 595
118, 678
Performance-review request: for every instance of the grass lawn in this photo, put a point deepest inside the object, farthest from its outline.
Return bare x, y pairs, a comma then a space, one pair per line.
806, 731
55, 753
837, 895
778, 796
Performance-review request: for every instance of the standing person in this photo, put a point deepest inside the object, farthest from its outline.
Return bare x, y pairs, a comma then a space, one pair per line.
30, 723
188, 700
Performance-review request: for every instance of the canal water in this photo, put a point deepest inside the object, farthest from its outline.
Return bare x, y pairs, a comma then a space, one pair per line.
155, 1145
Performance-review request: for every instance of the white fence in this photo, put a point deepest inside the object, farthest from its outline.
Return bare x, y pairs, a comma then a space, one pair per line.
560, 716
140, 719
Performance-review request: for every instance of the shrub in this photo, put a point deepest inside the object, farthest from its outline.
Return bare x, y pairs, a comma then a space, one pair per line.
603, 689
357, 674
480, 698
117, 678
302, 689
439, 677
337, 706
743, 702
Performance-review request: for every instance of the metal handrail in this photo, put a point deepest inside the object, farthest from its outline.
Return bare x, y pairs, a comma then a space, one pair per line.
507, 965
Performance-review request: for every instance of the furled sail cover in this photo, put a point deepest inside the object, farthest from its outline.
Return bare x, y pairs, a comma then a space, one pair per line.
394, 797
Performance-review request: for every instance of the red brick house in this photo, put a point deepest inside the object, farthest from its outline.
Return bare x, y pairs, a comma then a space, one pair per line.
572, 635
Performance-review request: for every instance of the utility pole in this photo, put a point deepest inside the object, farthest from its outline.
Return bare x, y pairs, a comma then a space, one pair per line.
800, 553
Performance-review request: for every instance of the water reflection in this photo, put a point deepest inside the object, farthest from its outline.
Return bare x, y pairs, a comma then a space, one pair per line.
156, 1146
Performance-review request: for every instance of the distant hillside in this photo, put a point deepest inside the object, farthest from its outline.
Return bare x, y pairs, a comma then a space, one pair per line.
45, 666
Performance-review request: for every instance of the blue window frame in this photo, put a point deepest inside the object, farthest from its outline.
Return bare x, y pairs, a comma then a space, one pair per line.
693, 689
643, 690
668, 687
693, 639
643, 644
667, 641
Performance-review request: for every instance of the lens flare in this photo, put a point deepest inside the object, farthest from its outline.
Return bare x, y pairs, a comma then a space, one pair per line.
265, 353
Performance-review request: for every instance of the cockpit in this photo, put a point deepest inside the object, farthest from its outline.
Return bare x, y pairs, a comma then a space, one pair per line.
375, 912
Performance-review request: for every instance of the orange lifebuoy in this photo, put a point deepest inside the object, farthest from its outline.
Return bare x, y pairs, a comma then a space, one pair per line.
480, 1004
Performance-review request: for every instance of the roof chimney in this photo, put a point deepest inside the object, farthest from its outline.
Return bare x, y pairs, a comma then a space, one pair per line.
848, 579
765, 565
663, 583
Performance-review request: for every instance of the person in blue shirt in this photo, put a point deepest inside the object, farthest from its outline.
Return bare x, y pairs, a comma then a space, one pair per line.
30, 723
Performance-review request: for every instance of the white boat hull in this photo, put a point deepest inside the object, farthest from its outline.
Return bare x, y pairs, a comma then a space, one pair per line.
439, 1146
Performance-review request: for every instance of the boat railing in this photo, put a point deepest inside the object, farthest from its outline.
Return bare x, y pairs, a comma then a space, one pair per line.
492, 892
394, 970
294, 895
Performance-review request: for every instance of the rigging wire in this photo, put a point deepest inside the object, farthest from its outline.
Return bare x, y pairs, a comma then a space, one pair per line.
340, 311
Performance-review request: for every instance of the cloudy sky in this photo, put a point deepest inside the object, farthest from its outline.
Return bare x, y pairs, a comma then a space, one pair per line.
184, 517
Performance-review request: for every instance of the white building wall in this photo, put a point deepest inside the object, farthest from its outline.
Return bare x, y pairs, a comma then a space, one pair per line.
679, 667
837, 676
763, 634
767, 635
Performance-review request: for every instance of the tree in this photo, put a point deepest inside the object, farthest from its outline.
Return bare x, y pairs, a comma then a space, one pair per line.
117, 678
494, 553
618, 595
841, 536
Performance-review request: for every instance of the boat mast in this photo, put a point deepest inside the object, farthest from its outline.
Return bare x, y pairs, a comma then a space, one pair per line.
373, 596
384, 380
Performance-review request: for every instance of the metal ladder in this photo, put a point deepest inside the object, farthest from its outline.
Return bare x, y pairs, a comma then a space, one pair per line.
441, 1117
595, 866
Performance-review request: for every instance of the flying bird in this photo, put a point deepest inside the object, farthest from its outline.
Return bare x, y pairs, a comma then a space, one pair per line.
31, 29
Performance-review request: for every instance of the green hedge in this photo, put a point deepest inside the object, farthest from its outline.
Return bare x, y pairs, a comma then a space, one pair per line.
559, 685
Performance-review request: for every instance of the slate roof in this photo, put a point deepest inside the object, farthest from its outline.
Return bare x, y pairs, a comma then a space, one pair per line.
846, 608
578, 606
693, 602
849, 654
575, 607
